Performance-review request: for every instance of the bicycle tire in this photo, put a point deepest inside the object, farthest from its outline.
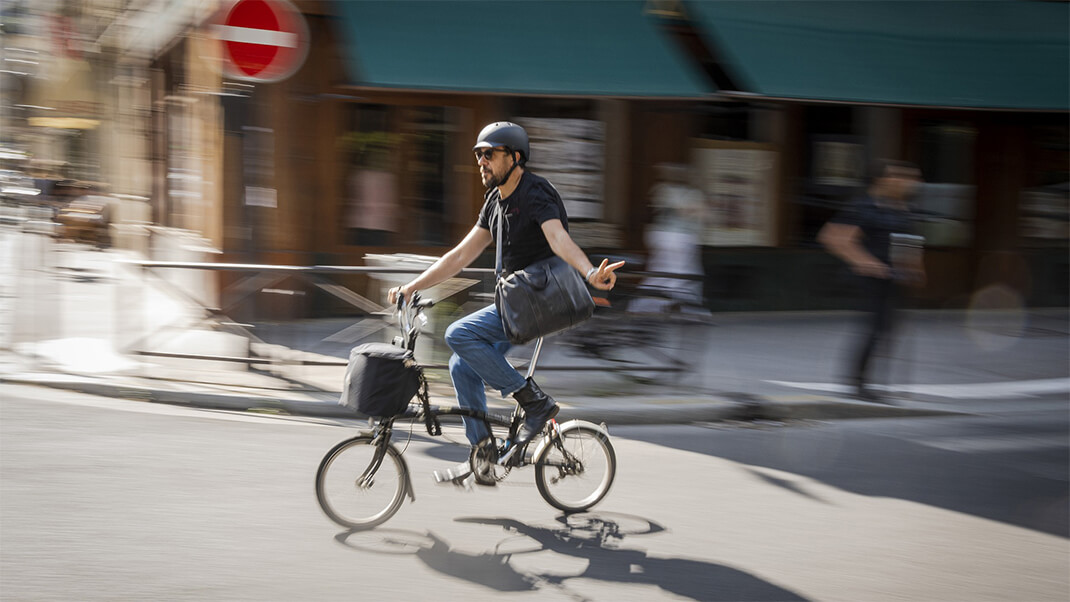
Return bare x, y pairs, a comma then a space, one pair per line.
351, 503
574, 468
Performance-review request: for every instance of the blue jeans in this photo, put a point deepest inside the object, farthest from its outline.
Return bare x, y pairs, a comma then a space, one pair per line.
479, 345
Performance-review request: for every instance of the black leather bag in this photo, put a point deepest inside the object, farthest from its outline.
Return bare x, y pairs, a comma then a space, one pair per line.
546, 297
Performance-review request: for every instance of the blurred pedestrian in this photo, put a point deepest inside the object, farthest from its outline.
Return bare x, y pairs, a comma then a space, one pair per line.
673, 241
865, 236
373, 198
535, 228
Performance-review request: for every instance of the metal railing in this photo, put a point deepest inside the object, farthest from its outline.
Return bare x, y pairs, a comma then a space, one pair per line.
62, 291
262, 276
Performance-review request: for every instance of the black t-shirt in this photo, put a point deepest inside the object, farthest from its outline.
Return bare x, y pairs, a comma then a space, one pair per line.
534, 202
878, 223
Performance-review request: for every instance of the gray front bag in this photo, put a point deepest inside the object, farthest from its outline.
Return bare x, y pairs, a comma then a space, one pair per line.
380, 380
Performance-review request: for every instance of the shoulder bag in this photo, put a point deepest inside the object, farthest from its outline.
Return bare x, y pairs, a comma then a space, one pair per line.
547, 296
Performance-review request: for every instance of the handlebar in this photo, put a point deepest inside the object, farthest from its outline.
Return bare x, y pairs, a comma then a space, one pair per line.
407, 315
417, 302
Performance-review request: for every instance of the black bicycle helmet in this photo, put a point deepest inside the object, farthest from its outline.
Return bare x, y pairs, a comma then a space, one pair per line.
508, 135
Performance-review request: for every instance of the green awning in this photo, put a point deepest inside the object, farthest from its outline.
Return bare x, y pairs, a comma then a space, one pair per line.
601, 48
978, 54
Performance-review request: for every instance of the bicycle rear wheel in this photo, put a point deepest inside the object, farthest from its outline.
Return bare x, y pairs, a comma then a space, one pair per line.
361, 483
575, 470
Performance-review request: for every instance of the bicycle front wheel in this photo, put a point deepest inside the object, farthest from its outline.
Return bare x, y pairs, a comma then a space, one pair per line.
361, 482
575, 469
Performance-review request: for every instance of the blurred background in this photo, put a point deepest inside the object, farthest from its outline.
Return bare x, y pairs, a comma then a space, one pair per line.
203, 202
324, 133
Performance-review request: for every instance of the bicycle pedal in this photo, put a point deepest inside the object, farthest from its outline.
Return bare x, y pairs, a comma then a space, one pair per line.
453, 476
460, 482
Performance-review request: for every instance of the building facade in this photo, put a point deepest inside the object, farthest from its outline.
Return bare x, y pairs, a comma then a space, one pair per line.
775, 113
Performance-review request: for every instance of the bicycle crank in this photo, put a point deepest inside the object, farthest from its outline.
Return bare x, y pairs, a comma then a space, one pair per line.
484, 461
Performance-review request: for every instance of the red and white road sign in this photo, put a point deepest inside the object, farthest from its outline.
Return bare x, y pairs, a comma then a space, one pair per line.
263, 40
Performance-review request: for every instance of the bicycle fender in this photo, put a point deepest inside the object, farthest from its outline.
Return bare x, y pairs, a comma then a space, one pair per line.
408, 478
571, 424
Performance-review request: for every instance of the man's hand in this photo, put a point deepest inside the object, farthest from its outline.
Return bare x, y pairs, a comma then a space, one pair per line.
402, 291
872, 268
603, 277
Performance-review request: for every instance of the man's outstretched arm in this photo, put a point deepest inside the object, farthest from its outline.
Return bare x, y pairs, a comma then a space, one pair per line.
603, 276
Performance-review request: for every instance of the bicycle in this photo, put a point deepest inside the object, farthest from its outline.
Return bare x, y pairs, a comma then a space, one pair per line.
642, 333
363, 481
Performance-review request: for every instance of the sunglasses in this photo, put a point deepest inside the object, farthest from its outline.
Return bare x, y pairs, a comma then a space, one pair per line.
487, 153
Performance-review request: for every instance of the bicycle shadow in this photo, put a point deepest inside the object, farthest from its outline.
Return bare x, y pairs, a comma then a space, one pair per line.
595, 538
491, 570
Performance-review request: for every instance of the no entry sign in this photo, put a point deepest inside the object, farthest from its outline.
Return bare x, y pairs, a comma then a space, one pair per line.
263, 40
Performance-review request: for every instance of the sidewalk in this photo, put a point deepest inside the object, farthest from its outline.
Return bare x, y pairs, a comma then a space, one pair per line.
770, 366
261, 393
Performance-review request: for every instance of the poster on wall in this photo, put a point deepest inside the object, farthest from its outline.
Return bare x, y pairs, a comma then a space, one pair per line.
839, 161
571, 154
1044, 212
739, 182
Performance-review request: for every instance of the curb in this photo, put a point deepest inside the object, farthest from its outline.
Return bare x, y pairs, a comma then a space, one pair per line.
715, 410
208, 401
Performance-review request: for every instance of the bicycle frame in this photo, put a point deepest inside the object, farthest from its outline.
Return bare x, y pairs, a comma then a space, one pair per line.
408, 314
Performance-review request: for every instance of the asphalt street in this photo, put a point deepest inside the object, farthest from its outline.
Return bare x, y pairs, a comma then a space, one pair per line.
105, 499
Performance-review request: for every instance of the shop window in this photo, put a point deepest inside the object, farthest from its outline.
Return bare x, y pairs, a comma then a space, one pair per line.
945, 201
426, 132
832, 170
395, 179
370, 183
1045, 203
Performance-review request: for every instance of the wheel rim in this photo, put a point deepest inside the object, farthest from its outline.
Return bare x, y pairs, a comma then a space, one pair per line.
579, 479
352, 501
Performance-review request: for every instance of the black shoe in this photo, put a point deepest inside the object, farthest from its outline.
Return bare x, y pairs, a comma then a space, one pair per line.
484, 457
539, 408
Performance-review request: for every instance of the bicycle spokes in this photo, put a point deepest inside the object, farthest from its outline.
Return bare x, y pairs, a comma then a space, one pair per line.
575, 469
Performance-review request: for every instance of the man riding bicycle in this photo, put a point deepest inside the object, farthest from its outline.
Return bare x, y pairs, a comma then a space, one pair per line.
535, 228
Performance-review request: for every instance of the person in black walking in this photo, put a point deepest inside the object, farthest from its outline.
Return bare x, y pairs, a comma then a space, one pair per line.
871, 236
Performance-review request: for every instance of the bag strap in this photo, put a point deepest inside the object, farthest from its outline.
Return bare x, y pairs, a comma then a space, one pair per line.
498, 244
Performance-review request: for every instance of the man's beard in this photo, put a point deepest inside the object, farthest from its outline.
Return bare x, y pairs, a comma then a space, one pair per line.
492, 181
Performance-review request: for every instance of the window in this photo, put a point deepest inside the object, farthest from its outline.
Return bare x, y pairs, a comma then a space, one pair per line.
945, 201
395, 180
369, 188
426, 134
832, 155
1045, 202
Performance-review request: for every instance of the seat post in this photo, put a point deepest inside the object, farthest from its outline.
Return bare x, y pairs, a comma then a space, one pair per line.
535, 358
